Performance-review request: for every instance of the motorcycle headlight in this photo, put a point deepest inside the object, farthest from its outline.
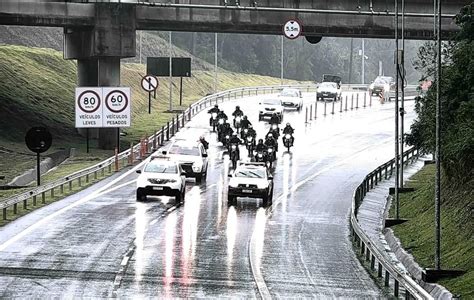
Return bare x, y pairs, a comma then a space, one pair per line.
274, 126
227, 137
260, 155
246, 130
371, 86
238, 119
221, 121
249, 138
234, 147
287, 136
270, 150
214, 115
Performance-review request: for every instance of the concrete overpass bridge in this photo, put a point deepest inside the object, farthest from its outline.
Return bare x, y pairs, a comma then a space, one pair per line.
99, 33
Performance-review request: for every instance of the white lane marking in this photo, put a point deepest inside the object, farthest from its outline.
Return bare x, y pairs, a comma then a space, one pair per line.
102, 191
153, 222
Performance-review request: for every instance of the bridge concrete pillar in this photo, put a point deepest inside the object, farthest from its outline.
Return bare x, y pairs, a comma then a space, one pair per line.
98, 51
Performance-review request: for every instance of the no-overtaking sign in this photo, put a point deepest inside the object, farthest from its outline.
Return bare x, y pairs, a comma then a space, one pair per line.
102, 107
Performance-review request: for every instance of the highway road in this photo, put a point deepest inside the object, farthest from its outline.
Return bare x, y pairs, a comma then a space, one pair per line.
102, 243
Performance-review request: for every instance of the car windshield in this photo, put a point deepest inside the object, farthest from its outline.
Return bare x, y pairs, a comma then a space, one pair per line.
382, 80
328, 85
160, 167
289, 93
253, 173
271, 102
184, 150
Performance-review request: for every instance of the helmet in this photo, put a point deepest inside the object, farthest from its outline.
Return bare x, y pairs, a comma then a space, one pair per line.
216, 106
234, 133
237, 107
288, 125
245, 117
260, 141
269, 135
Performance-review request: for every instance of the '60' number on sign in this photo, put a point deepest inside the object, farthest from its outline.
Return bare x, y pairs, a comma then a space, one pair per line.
116, 101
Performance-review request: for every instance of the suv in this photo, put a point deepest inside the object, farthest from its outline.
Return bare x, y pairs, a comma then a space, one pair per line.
270, 106
381, 84
161, 177
251, 180
328, 90
192, 157
291, 98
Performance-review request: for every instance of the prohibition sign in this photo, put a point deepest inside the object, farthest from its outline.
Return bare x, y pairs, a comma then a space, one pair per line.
88, 101
292, 29
149, 83
116, 101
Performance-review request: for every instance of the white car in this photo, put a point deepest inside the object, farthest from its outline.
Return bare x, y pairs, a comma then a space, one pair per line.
161, 177
291, 98
269, 106
191, 156
329, 90
251, 180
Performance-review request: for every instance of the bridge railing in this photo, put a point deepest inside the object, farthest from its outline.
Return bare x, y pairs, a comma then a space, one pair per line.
383, 267
139, 151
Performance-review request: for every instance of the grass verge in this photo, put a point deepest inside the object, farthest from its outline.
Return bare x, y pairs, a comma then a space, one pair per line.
457, 238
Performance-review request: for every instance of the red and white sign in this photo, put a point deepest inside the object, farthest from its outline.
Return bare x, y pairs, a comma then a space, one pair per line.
116, 111
292, 29
149, 83
88, 107
98, 107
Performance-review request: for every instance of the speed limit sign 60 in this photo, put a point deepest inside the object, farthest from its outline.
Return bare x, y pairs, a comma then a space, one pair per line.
116, 101
116, 111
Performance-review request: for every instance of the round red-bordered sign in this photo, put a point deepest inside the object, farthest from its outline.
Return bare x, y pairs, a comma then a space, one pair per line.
150, 83
88, 104
118, 101
292, 29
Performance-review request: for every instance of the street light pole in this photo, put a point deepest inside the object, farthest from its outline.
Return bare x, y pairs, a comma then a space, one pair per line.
171, 72
438, 149
281, 61
215, 62
402, 108
397, 160
363, 64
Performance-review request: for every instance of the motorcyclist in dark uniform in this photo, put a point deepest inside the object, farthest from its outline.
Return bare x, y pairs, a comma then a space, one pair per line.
271, 142
204, 142
221, 115
274, 119
251, 131
289, 130
237, 112
216, 110
260, 146
234, 139
245, 122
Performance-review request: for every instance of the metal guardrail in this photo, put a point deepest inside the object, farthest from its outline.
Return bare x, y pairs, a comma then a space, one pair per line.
139, 151
385, 269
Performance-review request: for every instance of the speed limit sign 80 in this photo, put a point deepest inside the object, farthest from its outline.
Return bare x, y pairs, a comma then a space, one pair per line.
88, 107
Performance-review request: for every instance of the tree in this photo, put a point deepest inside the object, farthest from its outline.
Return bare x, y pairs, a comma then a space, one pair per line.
457, 102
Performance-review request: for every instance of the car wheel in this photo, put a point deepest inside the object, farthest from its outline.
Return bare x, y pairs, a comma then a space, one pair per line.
260, 117
231, 200
265, 200
183, 196
141, 196
198, 178
179, 197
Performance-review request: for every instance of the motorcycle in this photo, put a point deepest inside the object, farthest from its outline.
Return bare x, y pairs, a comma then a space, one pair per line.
261, 157
250, 144
271, 156
275, 131
243, 133
220, 129
225, 140
214, 121
237, 120
287, 141
234, 155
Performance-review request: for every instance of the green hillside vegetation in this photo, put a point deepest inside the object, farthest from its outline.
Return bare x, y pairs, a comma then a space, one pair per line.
37, 88
457, 239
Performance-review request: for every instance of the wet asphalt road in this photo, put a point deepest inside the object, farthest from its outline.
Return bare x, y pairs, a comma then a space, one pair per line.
102, 243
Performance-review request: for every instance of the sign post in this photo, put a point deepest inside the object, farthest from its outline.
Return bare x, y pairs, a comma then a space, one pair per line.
38, 140
150, 84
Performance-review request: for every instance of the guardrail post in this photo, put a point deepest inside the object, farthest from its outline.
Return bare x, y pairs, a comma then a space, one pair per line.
70, 185
370, 100
325, 106
52, 192
379, 270
352, 101
25, 204
372, 262
168, 131
365, 99
79, 181
4, 213
387, 278
311, 112
43, 198
306, 117
396, 288
357, 101
345, 106
332, 110
316, 109
155, 140
15, 208
87, 178
340, 108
